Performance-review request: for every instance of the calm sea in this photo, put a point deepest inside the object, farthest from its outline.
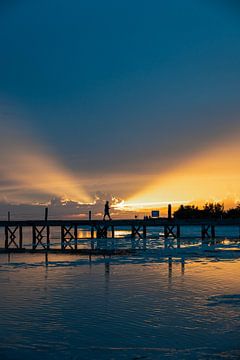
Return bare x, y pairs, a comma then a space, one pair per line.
159, 303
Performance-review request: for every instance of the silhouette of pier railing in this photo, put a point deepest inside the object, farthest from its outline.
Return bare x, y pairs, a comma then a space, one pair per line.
99, 229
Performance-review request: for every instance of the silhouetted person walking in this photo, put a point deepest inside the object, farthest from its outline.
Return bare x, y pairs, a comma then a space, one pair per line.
107, 211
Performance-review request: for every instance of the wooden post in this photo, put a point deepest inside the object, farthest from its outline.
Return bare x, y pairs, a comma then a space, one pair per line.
144, 237
34, 239
169, 211
62, 237
20, 237
144, 231
46, 214
6, 237
89, 215
48, 237
92, 237
133, 232
75, 237
178, 234
9, 216
113, 234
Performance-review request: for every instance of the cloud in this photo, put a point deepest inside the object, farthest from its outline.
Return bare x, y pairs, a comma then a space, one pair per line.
62, 209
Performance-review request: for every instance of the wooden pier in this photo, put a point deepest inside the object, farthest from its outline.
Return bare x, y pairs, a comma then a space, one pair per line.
99, 229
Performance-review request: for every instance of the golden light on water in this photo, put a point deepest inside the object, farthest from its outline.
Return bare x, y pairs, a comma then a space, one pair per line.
212, 176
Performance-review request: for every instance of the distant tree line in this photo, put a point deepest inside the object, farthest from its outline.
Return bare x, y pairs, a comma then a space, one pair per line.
210, 210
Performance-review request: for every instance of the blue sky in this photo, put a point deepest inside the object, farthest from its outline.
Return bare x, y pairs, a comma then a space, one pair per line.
122, 88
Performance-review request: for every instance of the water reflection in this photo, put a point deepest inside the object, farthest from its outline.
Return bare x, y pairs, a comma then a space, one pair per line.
90, 259
46, 258
169, 270
92, 307
107, 264
183, 265
86, 239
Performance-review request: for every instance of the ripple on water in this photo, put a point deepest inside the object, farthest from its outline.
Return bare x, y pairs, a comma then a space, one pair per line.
128, 311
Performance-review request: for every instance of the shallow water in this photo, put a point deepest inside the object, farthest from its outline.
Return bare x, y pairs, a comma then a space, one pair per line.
118, 308
190, 238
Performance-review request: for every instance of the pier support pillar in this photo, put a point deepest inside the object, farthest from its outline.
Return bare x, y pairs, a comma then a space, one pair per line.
136, 232
39, 233
92, 237
208, 232
172, 231
69, 237
139, 233
178, 243
144, 237
113, 232
169, 211
13, 237
102, 231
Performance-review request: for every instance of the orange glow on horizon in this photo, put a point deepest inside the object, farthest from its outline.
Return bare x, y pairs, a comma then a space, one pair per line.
212, 176
30, 172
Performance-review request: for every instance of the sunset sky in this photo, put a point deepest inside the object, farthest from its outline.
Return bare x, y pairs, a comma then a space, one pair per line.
132, 99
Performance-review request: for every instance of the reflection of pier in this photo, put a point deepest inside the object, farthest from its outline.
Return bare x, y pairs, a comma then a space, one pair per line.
99, 229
